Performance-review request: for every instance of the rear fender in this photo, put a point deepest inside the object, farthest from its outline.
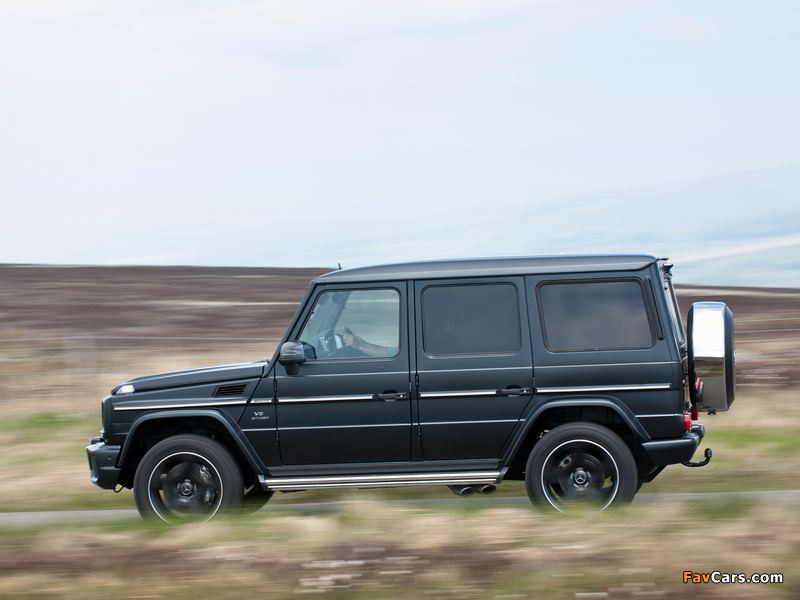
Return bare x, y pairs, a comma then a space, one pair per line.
534, 419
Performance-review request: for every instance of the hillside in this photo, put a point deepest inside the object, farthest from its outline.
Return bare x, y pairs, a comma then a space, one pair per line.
150, 301
66, 328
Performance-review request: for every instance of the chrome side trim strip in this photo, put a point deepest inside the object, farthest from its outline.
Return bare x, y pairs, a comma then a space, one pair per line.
662, 416
626, 364
472, 370
423, 423
368, 425
471, 394
162, 405
367, 481
404, 371
636, 387
371, 425
356, 398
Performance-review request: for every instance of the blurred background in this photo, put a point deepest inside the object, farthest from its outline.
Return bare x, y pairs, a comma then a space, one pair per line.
71, 333
172, 175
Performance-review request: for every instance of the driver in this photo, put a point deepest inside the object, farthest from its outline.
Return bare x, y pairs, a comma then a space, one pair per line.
357, 342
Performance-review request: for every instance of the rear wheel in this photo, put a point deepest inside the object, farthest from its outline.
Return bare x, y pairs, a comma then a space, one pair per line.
581, 464
187, 478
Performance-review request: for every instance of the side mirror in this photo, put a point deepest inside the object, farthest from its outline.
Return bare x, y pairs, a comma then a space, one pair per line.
291, 356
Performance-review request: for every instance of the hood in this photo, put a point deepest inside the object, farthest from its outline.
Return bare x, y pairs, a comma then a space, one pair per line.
249, 370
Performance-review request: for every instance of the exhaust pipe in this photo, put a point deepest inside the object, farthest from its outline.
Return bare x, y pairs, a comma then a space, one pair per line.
462, 490
486, 489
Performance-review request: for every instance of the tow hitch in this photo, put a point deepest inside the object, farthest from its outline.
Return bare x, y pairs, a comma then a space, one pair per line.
700, 463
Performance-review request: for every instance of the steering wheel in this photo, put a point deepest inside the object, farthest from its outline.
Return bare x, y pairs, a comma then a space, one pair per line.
344, 351
330, 344
327, 343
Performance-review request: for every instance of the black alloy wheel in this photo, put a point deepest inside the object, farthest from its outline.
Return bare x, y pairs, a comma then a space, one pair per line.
581, 464
187, 478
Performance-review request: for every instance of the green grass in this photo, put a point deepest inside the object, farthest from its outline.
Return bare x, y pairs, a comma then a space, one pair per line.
721, 509
38, 424
781, 443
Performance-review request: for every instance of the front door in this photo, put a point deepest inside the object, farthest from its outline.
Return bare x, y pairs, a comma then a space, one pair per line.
474, 369
349, 401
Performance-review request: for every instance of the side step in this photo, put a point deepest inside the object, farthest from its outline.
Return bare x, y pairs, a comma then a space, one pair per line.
296, 484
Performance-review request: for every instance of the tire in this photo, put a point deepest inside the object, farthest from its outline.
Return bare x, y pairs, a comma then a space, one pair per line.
581, 464
187, 478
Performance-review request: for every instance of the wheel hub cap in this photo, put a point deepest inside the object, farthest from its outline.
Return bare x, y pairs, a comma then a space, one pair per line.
186, 488
581, 478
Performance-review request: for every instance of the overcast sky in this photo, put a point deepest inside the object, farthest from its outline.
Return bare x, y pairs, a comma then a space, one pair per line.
306, 133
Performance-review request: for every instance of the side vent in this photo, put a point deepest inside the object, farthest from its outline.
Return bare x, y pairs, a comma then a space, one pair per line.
230, 391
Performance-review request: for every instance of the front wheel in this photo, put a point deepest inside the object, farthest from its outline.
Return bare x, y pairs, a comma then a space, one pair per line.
581, 464
187, 478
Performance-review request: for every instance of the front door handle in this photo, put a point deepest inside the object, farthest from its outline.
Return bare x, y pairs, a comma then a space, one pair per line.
391, 396
515, 391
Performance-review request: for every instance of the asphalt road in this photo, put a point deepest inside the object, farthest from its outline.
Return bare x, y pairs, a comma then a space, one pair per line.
39, 518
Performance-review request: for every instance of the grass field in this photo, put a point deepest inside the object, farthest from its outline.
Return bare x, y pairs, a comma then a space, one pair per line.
368, 548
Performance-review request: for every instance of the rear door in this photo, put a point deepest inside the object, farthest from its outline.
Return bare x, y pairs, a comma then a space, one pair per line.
601, 336
474, 374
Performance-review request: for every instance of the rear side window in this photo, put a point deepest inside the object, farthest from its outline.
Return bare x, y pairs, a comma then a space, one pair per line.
471, 319
594, 315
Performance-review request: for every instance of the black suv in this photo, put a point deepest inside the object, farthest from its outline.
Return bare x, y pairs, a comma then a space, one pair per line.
573, 373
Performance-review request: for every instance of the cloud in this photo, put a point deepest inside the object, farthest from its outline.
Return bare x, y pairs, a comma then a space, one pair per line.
738, 249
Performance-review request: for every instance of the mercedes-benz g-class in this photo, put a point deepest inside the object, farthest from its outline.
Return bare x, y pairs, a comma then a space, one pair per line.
572, 373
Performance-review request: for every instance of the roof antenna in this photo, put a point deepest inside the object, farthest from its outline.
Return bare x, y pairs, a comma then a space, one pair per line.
340, 266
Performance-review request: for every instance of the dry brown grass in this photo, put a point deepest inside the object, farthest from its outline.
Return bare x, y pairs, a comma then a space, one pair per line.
369, 549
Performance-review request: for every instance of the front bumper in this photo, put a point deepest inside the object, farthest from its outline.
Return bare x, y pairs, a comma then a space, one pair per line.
677, 450
103, 463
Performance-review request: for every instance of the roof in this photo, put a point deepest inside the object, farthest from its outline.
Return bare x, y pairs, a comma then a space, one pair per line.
491, 267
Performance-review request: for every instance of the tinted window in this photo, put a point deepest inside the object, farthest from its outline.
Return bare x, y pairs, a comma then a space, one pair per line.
470, 319
595, 315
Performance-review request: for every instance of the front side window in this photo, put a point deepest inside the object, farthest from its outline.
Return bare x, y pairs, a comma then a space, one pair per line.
594, 315
353, 324
470, 319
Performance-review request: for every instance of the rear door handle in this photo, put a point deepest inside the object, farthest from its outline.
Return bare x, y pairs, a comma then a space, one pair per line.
391, 396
